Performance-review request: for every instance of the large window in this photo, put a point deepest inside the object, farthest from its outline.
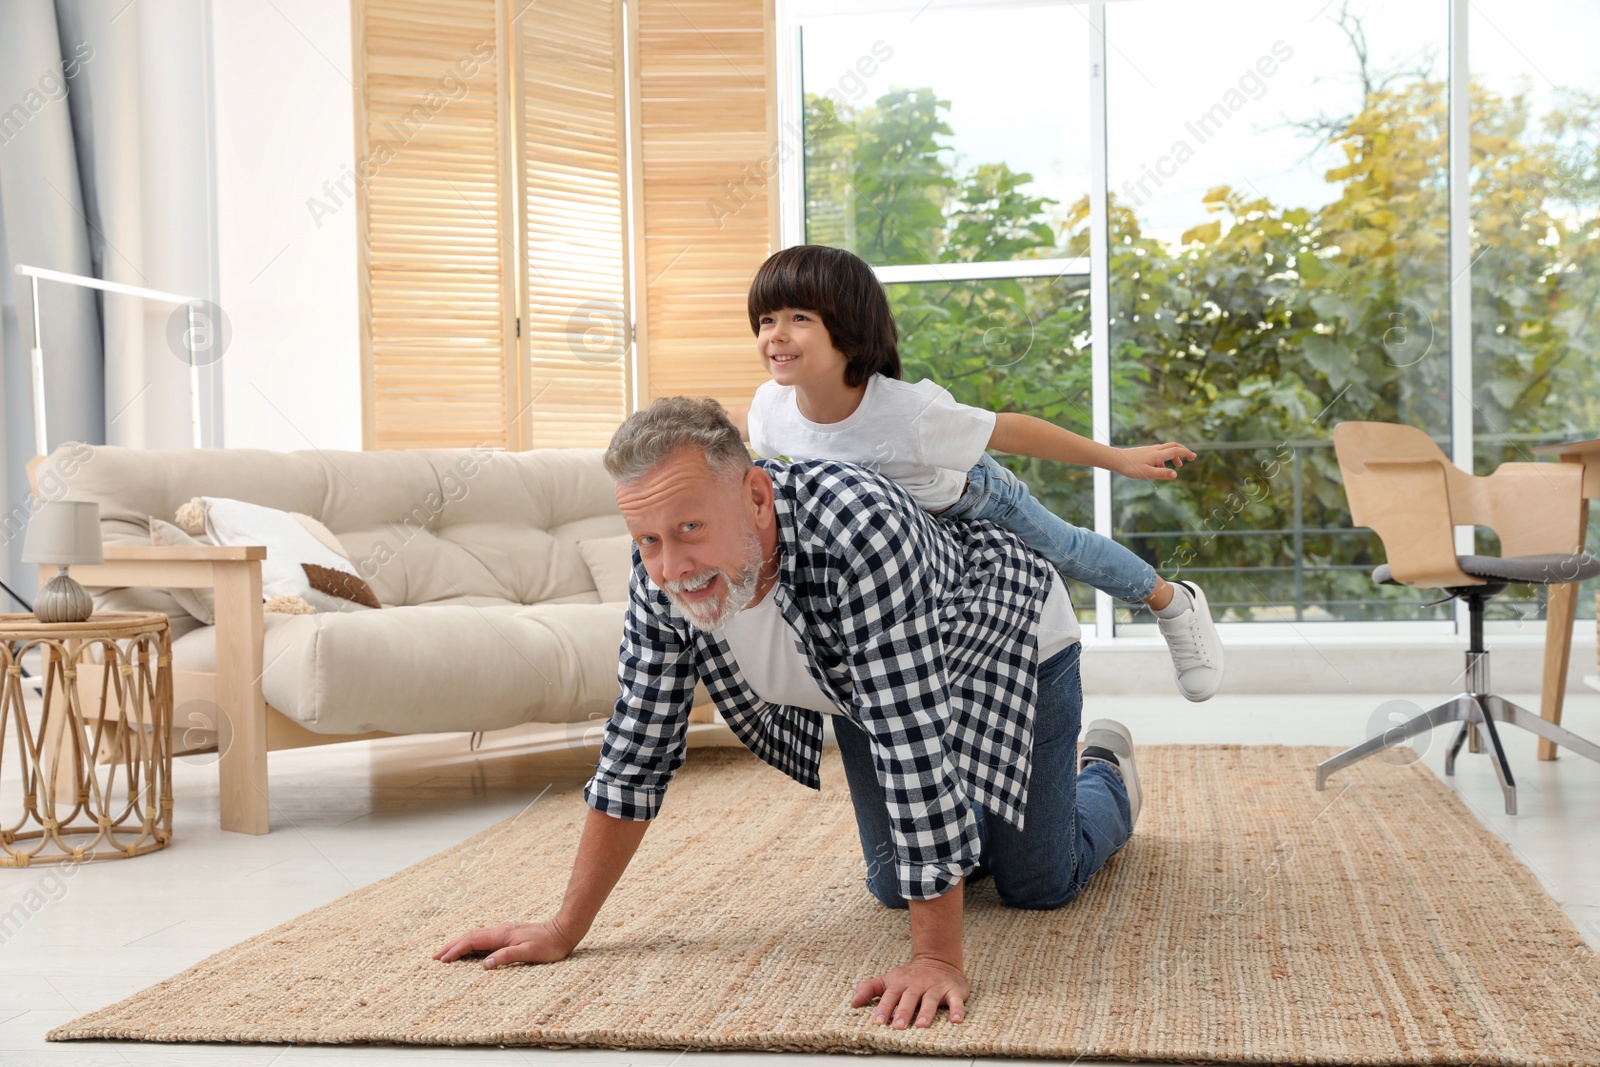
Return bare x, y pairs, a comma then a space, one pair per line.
968, 190
1011, 345
1227, 223
915, 154
1279, 264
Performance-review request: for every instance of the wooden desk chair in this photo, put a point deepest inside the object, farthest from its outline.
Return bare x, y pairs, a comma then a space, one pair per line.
1401, 485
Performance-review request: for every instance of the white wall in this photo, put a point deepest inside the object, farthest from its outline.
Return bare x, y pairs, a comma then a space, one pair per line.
1317, 663
284, 125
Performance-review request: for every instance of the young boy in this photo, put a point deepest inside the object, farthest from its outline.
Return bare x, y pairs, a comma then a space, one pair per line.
826, 334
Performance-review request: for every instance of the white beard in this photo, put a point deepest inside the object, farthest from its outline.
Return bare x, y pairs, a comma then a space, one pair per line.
741, 589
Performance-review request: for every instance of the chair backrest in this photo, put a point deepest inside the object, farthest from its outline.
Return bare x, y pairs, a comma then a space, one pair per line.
1401, 485
1394, 479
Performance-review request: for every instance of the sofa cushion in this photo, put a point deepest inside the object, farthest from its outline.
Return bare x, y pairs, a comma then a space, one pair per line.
316, 529
143, 599
610, 562
434, 668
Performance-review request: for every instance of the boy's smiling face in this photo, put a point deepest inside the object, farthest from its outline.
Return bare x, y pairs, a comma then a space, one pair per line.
796, 350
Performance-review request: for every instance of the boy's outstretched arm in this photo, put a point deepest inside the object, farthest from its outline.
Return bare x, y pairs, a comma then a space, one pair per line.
1024, 435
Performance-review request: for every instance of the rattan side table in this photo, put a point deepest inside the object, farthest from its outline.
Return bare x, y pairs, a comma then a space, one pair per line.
93, 782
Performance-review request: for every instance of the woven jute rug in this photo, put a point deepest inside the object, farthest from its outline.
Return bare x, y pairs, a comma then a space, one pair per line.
1250, 919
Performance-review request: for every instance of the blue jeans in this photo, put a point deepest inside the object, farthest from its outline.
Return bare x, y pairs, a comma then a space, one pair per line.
1075, 821
996, 494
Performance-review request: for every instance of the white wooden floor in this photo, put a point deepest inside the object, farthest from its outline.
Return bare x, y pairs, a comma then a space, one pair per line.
349, 814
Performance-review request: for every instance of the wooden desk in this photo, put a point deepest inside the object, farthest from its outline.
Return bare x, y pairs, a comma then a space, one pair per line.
1564, 598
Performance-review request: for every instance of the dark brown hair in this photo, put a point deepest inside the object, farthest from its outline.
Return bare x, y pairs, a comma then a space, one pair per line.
841, 289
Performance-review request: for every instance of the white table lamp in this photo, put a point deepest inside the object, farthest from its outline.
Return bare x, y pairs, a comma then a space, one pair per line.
63, 532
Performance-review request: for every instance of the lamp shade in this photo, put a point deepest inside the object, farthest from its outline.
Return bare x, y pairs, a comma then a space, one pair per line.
64, 532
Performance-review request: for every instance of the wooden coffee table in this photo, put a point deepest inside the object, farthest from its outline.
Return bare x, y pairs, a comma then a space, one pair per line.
92, 770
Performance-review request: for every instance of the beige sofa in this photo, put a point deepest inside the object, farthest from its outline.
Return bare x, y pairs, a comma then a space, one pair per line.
491, 616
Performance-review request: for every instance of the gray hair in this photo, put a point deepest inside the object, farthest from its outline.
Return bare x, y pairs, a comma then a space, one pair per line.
648, 437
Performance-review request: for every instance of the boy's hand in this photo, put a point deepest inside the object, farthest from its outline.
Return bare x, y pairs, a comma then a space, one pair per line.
1150, 461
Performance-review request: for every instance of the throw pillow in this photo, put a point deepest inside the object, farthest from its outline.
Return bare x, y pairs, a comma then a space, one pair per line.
197, 602
294, 554
342, 584
610, 562
315, 528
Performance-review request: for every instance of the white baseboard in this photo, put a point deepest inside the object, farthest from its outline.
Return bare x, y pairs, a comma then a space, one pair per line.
1326, 667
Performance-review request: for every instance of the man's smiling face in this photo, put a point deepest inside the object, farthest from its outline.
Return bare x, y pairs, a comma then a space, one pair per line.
699, 533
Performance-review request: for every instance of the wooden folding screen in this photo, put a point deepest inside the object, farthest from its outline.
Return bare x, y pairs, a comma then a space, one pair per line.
560, 205
709, 163
437, 324
574, 135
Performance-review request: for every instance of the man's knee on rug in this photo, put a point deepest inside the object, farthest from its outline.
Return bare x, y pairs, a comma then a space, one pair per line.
1045, 892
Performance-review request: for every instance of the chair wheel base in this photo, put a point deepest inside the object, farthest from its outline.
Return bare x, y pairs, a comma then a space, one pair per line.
1474, 712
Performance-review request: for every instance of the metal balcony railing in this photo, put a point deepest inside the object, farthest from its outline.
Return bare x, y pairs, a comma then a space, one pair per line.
1529, 605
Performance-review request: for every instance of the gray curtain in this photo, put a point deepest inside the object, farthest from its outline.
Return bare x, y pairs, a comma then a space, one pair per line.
69, 197
105, 102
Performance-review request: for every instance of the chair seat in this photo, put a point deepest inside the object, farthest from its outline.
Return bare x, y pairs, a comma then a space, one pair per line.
1552, 568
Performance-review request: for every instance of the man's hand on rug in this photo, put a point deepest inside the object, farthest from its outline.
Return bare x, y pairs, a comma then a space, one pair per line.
916, 988
511, 943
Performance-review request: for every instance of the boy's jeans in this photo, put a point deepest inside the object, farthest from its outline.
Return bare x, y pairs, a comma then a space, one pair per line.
996, 494
1074, 821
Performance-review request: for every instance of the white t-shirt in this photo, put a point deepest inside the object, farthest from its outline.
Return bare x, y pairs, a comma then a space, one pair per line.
764, 647
913, 433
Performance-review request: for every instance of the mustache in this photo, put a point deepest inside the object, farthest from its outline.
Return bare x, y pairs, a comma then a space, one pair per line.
694, 583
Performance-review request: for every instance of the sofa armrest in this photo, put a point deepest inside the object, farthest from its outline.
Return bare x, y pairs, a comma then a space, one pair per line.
207, 552
161, 566
234, 571
241, 710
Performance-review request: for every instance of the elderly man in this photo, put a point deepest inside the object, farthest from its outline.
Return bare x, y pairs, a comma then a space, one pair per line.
946, 652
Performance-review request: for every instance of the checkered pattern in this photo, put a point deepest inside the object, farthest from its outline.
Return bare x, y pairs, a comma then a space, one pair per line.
920, 630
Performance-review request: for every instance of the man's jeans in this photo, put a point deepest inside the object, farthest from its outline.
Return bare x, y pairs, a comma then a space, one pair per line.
1074, 822
996, 494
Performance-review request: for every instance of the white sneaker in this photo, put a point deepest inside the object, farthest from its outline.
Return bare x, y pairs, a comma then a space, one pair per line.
1108, 741
1196, 649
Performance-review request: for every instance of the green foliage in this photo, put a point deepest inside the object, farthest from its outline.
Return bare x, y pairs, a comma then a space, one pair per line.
876, 181
1258, 331
1537, 279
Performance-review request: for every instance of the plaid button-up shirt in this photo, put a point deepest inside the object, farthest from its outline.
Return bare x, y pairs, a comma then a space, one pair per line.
922, 631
